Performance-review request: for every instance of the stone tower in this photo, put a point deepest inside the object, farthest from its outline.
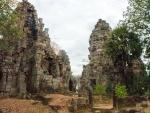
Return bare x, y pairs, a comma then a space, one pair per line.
33, 66
98, 69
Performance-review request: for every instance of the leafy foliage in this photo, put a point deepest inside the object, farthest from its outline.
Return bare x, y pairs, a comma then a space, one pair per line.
147, 52
123, 42
137, 18
99, 90
120, 91
10, 30
123, 47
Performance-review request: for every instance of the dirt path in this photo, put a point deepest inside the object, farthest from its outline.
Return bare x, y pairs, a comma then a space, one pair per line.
60, 101
56, 102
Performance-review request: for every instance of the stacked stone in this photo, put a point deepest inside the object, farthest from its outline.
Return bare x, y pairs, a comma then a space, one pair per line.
33, 65
99, 68
7, 81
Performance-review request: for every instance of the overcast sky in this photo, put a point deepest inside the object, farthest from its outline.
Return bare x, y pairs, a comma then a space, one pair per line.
71, 22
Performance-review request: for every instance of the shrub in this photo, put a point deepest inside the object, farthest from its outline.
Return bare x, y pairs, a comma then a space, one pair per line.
120, 91
99, 90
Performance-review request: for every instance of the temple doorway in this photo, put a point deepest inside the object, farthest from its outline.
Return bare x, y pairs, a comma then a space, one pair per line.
92, 82
70, 85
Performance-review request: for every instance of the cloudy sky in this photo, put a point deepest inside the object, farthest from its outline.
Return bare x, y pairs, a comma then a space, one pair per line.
71, 22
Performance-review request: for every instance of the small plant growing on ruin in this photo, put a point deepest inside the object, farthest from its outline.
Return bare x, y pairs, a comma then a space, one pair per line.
99, 90
120, 91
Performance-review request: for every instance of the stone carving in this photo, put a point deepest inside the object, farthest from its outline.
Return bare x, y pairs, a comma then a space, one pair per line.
33, 66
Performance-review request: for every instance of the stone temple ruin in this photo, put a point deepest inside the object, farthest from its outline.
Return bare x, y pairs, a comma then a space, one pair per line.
100, 66
100, 69
33, 66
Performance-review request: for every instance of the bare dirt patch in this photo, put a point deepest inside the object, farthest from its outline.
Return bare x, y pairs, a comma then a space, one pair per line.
22, 106
60, 102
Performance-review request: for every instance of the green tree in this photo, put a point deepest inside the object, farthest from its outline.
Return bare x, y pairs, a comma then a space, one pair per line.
123, 46
137, 18
9, 27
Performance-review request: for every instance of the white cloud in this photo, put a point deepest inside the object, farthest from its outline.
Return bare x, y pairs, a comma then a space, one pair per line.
71, 23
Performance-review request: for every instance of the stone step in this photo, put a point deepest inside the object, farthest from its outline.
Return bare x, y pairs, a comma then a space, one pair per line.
102, 108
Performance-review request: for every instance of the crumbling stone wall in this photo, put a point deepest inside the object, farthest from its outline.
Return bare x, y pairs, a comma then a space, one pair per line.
33, 66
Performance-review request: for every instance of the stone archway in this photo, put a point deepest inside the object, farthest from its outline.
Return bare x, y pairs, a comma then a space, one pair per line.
92, 82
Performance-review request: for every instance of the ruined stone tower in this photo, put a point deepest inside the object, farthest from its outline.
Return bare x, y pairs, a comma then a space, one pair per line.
33, 66
98, 69
101, 69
